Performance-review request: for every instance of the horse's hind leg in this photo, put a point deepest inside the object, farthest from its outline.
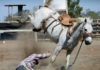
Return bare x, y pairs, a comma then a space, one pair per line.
68, 57
56, 52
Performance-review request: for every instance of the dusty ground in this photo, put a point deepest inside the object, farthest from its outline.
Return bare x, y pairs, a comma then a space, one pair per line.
13, 51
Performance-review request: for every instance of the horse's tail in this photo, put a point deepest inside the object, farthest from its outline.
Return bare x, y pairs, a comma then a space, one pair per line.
47, 3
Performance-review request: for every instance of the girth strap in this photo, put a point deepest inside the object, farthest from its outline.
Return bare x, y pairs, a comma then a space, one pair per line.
45, 30
54, 27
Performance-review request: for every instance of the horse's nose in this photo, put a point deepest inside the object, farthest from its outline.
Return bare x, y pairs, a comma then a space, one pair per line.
88, 40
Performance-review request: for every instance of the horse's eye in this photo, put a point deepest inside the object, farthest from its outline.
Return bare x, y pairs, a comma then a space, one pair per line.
85, 29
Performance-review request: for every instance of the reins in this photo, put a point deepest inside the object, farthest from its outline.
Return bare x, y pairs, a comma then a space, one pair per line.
69, 66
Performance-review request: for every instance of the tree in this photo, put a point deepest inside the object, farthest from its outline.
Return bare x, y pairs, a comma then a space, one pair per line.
74, 10
92, 14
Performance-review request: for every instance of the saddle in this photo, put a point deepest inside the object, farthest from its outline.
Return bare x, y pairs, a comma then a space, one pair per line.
66, 20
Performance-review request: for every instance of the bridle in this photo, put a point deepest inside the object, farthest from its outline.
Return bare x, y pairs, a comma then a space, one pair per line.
88, 34
84, 34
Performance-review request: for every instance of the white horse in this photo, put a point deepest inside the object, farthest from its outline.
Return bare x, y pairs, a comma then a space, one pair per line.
58, 32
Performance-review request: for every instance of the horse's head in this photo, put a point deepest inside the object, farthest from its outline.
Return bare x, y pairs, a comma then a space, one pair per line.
87, 31
37, 18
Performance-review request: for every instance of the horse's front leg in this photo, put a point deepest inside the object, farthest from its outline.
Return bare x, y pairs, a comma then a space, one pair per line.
62, 40
56, 52
68, 57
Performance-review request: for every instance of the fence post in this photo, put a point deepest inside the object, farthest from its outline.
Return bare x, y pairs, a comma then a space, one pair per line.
35, 36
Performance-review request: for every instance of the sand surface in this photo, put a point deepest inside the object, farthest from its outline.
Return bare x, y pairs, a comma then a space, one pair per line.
13, 51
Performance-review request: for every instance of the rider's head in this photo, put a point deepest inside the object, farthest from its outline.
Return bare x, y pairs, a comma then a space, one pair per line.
36, 61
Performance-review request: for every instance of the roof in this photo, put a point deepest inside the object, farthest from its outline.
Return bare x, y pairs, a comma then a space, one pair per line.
9, 5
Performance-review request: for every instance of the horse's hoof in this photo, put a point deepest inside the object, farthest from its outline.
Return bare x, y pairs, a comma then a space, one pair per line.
53, 59
63, 68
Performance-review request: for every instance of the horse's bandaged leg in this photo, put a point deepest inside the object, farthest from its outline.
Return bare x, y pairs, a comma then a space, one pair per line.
67, 58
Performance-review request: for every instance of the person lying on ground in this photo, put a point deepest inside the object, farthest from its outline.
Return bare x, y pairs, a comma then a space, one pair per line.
32, 60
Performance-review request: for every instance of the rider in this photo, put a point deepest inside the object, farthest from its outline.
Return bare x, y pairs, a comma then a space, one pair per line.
32, 60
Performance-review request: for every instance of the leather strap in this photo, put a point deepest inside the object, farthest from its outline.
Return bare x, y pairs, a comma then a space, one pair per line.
45, 29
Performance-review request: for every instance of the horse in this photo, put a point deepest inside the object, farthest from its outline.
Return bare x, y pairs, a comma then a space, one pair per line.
47, 19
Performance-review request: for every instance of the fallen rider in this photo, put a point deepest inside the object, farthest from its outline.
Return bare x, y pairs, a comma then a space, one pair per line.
32, 60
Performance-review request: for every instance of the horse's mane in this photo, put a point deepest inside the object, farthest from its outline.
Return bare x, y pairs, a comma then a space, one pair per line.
76, 25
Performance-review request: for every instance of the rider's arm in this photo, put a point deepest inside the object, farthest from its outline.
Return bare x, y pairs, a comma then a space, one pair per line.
42, 56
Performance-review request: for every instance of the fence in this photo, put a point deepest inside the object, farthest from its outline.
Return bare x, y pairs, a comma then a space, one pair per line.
42, 36
96, 28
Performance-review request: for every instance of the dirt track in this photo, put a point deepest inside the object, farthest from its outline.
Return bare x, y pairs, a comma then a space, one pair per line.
13, 51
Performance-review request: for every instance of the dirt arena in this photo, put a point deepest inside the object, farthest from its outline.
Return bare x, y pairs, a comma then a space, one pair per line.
13, 51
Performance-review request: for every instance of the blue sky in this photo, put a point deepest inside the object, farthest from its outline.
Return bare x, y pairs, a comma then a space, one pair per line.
93, 5
30, 5
86, 4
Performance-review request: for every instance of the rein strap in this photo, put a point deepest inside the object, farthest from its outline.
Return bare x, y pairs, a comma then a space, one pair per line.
75, 56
